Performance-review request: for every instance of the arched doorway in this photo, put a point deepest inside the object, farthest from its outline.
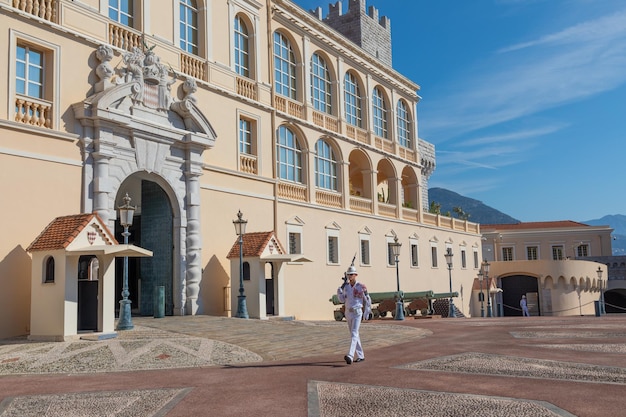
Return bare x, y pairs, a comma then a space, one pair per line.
615, 301
513, 287
152, 229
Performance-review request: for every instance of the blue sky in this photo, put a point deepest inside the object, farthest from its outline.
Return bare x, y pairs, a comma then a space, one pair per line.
525, 100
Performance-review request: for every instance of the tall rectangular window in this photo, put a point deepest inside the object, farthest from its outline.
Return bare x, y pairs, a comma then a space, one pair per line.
391, 259
414, 255
433, 256
475, 258
242, 48
463, 259
532, 253
121, 11
245, 136
295, 243
557, 253
365, 252
507, 254
29, 74
333, 250
189, 26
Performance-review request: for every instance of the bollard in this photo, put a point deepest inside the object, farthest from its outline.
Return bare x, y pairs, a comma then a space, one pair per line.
159, 302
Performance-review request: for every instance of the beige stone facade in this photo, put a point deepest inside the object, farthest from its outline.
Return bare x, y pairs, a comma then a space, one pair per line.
256, 106
554, 264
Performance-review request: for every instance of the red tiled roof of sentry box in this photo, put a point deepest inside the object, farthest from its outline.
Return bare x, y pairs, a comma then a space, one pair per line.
533, 225
63, 230
254, 244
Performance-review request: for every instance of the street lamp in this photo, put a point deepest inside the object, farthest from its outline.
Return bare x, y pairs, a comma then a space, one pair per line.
448, 256
240, 229
482, 296
486, 272
599, 272
395, 249
126, 220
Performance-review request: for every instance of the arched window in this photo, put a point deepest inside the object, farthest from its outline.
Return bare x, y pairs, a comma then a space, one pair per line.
242, 48
289, 156
320, 85
352, 100
404, 125
379, 113
284, 66
189, 26
49, 273
325, 166
122, 11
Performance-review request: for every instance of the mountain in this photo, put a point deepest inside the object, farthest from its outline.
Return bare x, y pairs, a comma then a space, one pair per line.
478, 211
618, 223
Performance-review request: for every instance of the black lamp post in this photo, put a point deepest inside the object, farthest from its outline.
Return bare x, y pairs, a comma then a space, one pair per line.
599, 272
240, 229
395, 249
448, 256
486, 272
126, 220
482, 296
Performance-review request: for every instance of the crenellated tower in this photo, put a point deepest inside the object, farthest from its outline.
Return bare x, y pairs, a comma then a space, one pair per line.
362, 27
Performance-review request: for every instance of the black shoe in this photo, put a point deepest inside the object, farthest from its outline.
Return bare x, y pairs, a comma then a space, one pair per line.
359, 359
348, 359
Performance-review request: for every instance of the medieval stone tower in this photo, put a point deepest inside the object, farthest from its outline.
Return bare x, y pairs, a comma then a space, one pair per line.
365, 29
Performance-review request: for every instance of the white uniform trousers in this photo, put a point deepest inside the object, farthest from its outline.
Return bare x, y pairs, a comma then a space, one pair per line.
354, 323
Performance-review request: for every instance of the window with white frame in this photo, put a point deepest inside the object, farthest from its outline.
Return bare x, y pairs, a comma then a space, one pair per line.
391, 258
352, 100
365, 249
582, 250
507, 254
189, 26
532, 253
332, 244
284, 67
557, 252
35, 77
29, 72
321, 93
289, 156
122, 11
404, 125
476, 258
325, 166
414, 254
295, 239
242, 47
433, 256
379, 113
245, 136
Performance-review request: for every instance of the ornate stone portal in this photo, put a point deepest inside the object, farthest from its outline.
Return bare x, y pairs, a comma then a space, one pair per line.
133, 126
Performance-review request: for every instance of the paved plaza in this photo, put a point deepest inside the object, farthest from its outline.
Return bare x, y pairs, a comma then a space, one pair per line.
201, 366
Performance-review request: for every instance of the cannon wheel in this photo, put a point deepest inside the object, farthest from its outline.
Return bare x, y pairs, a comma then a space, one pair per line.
338, 315
383, 314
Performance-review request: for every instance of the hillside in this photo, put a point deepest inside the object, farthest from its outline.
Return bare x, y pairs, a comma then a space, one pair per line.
477, 210
483, 214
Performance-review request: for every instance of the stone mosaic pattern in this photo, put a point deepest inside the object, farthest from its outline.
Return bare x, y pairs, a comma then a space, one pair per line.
512, 366
148, 403
335, 399
604, 348
143, 351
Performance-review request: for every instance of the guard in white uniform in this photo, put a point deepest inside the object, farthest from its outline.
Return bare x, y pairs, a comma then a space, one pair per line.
524, 306
357, 305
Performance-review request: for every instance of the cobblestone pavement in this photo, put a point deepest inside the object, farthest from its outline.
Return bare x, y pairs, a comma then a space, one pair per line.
180, 366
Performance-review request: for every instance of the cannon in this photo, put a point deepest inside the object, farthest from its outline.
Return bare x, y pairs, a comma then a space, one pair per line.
385, 302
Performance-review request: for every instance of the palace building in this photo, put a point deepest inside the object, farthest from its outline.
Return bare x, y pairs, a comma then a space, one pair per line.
198, 110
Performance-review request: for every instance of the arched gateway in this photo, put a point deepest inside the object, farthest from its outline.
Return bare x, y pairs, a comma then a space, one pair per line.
138, 138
